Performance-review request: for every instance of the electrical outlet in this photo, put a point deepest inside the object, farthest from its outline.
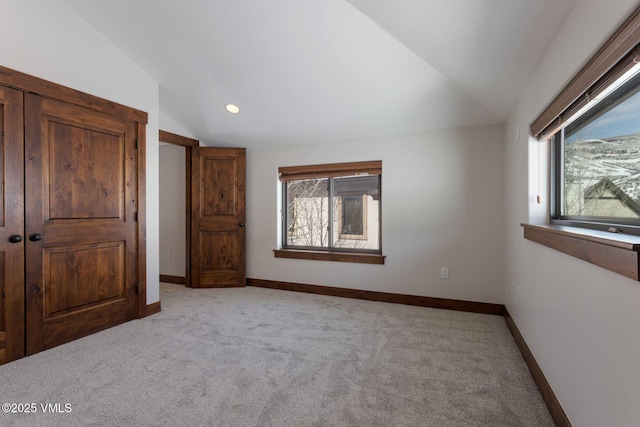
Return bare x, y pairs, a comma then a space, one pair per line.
444, 273
167, 256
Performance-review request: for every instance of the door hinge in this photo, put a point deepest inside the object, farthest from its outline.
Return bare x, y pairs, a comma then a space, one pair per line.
137, 289
136, 144
135, 216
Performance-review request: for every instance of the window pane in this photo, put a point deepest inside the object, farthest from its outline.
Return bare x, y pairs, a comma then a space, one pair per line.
352, 215
602, 159
356, 222
308, 213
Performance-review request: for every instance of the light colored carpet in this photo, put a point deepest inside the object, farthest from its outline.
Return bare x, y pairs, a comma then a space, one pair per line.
259, 357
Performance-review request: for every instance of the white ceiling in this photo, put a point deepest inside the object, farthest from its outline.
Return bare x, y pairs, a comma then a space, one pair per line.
305, 71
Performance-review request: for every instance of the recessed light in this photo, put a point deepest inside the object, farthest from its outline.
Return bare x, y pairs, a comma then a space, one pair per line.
233, 109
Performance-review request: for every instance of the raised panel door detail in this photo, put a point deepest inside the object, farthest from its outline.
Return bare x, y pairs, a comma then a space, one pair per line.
3, 273
86, 173
81, 197
218, 214
219, 190
3, 325
220, 251
2, 172
11, 224
68, 214
77, 277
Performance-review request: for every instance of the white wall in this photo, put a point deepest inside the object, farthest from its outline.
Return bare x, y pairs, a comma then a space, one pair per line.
168, 124
172, 210
45, 39
580, 321
442, 206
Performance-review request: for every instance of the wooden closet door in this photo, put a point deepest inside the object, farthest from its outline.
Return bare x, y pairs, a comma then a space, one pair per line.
81, 201
11, 225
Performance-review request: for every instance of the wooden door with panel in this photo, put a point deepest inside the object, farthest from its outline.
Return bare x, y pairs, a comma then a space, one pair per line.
81, 202
218, 217
11, 225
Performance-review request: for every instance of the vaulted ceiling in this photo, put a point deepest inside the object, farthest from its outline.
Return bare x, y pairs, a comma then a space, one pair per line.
306, 71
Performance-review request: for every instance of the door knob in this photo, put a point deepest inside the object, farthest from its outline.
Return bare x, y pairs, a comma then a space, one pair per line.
15, 238
35, 237
242, 224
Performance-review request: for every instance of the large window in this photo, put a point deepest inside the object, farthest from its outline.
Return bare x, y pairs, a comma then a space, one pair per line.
333, 208
597, 160
594, 126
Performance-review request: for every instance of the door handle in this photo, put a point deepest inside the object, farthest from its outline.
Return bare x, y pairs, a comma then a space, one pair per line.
242, 224
15, 238
35, 237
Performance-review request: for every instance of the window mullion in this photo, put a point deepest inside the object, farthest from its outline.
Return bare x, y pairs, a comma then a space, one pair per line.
556, 184
330, 227
285, 215
560, 181
380, 213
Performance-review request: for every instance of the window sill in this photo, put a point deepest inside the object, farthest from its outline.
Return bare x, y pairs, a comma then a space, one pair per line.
330, 256
613, 251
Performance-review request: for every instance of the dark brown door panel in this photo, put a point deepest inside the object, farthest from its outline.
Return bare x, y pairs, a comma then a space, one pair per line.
80, 224
218, 217
11, 225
